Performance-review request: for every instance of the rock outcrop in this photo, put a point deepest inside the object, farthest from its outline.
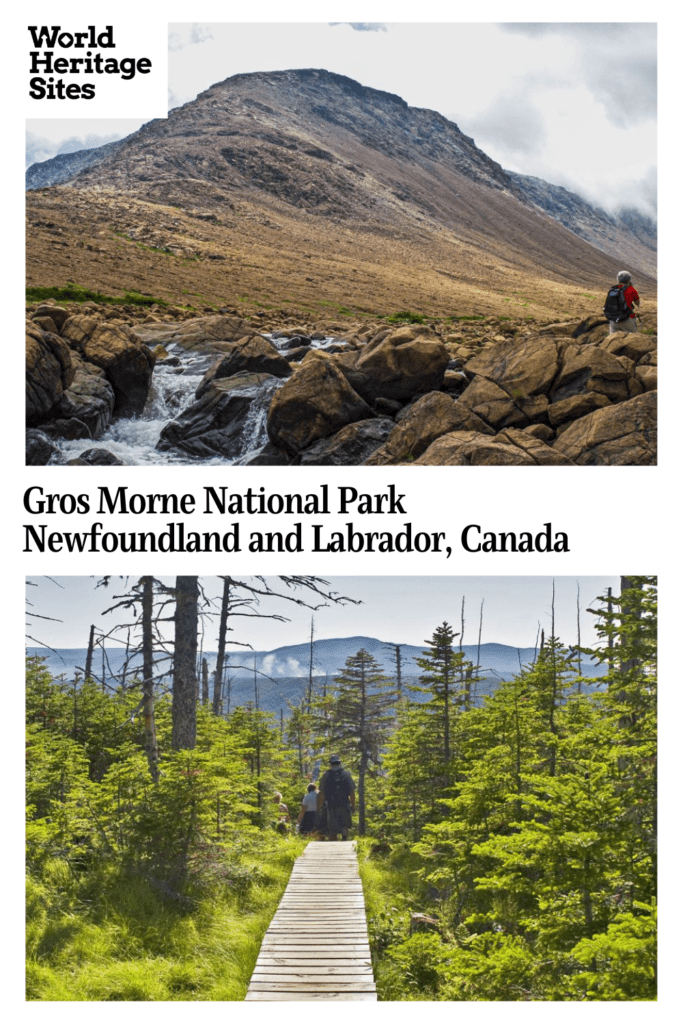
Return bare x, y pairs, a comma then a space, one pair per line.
215, 424
315, 402
618, 435
49, 372
127, 363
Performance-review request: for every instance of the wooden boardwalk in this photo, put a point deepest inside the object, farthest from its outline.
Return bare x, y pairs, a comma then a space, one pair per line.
317, 944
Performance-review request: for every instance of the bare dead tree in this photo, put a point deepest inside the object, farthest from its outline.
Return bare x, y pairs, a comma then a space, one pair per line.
184, 703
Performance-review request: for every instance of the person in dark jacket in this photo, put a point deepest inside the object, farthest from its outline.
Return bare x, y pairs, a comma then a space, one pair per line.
337, 793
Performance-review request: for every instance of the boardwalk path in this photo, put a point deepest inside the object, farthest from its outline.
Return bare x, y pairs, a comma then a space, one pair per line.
317, 944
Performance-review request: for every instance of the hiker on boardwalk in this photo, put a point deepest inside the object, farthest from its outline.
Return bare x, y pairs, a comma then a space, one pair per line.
337, 794
308, 813
283, 820
619, 304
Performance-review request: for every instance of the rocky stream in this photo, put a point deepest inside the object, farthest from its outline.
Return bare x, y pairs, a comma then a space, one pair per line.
214, 389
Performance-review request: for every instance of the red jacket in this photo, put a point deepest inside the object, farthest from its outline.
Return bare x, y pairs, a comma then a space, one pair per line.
631, 296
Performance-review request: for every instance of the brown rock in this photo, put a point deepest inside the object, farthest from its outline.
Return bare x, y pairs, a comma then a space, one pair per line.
521, 368
399, 365
90, 398
215, 423
57, 314
46, 323
576, 406
487, 400
116, 349
350, 446
635, 346
540, 430
647, 375
254, 354
49, 372
430, 417
39, 448
618, 435
589, 368
203, 333
509, 448
315, 402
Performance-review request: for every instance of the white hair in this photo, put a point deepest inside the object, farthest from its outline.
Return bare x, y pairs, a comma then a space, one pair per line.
623, 277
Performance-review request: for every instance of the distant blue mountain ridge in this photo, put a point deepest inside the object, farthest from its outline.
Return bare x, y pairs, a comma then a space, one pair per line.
281, 675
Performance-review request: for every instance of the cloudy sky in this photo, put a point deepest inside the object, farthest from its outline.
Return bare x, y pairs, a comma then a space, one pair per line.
550, 100
396, 609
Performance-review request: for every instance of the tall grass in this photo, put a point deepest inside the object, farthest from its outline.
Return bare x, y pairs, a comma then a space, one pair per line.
102, 935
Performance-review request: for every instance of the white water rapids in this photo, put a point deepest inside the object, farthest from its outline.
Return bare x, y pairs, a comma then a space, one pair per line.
173, 390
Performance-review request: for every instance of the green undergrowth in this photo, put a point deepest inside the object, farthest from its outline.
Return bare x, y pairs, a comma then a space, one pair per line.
405, 317
103, 935
389, 889
75, 293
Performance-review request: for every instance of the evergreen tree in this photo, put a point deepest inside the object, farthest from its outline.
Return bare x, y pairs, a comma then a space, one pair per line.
360, 708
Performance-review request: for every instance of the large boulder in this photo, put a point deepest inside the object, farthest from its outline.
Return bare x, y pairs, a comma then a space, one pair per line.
89, 399
203, 333
488, 401
254, 353
96, 457
634, 346
618, 435
126, 361
399, 365
591, 369
49, 372
57, 314
508, 448
350, 446
429, 417
647, 375
315, 402
520, 368
39, 448
227, 420
575, 406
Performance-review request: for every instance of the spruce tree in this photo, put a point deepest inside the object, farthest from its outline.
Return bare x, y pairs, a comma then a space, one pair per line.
360, 706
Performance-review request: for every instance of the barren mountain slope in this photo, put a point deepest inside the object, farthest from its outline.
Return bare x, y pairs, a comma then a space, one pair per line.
305, 187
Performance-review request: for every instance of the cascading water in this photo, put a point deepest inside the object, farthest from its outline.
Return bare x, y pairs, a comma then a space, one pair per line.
173, 389
134, 440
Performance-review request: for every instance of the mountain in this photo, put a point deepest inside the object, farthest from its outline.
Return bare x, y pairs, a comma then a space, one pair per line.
65, 166
629, 235
282, 674
306, 187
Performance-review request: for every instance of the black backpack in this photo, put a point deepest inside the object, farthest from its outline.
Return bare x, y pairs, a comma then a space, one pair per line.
616, 306
337, 788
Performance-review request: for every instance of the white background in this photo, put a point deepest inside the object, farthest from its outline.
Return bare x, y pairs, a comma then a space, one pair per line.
620, 520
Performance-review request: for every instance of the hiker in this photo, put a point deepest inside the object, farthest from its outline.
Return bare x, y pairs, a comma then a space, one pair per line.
283, 821
619, 304
308, 813
337, 794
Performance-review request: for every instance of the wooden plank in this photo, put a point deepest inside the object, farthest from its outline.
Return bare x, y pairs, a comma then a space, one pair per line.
324, 943
297, 983
314, 973
314, 950
306, 974
299, 997
290, 960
